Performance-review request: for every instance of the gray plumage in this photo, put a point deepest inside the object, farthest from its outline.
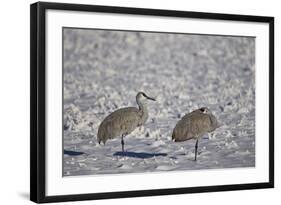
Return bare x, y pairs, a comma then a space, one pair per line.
194, 125
123, 121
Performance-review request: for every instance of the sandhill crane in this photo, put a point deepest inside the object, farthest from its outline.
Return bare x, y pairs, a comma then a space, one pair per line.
123, 121
194, 125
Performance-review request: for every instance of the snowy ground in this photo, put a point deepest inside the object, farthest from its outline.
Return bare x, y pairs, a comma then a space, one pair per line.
104, 70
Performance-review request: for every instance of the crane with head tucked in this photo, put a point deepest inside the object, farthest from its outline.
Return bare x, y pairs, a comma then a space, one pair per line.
194, 125
123, 121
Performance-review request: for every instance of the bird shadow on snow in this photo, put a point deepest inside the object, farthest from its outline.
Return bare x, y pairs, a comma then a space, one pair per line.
142, 155
72, 153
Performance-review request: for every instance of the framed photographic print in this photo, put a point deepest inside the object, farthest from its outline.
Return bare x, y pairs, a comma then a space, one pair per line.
129, 102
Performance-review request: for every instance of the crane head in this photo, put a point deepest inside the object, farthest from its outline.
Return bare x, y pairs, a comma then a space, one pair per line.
204, 110
141, 96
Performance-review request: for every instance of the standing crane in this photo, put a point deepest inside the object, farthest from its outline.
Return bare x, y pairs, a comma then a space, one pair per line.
194, 125
123, 121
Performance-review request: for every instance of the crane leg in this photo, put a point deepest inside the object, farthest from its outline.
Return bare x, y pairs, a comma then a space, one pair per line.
196, 147
122, 143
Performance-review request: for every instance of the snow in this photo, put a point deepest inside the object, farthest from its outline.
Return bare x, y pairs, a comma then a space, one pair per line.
104, 70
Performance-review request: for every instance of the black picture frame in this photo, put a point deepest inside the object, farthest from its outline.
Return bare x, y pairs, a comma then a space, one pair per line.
38, 101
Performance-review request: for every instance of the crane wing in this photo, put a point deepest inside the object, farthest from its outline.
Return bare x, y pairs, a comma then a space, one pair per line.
120, 122
191, 125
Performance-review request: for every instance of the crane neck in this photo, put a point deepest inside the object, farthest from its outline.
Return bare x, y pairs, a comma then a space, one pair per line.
143, 112
142, 106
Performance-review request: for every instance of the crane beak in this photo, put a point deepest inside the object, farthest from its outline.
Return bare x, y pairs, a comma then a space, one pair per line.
149, 98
